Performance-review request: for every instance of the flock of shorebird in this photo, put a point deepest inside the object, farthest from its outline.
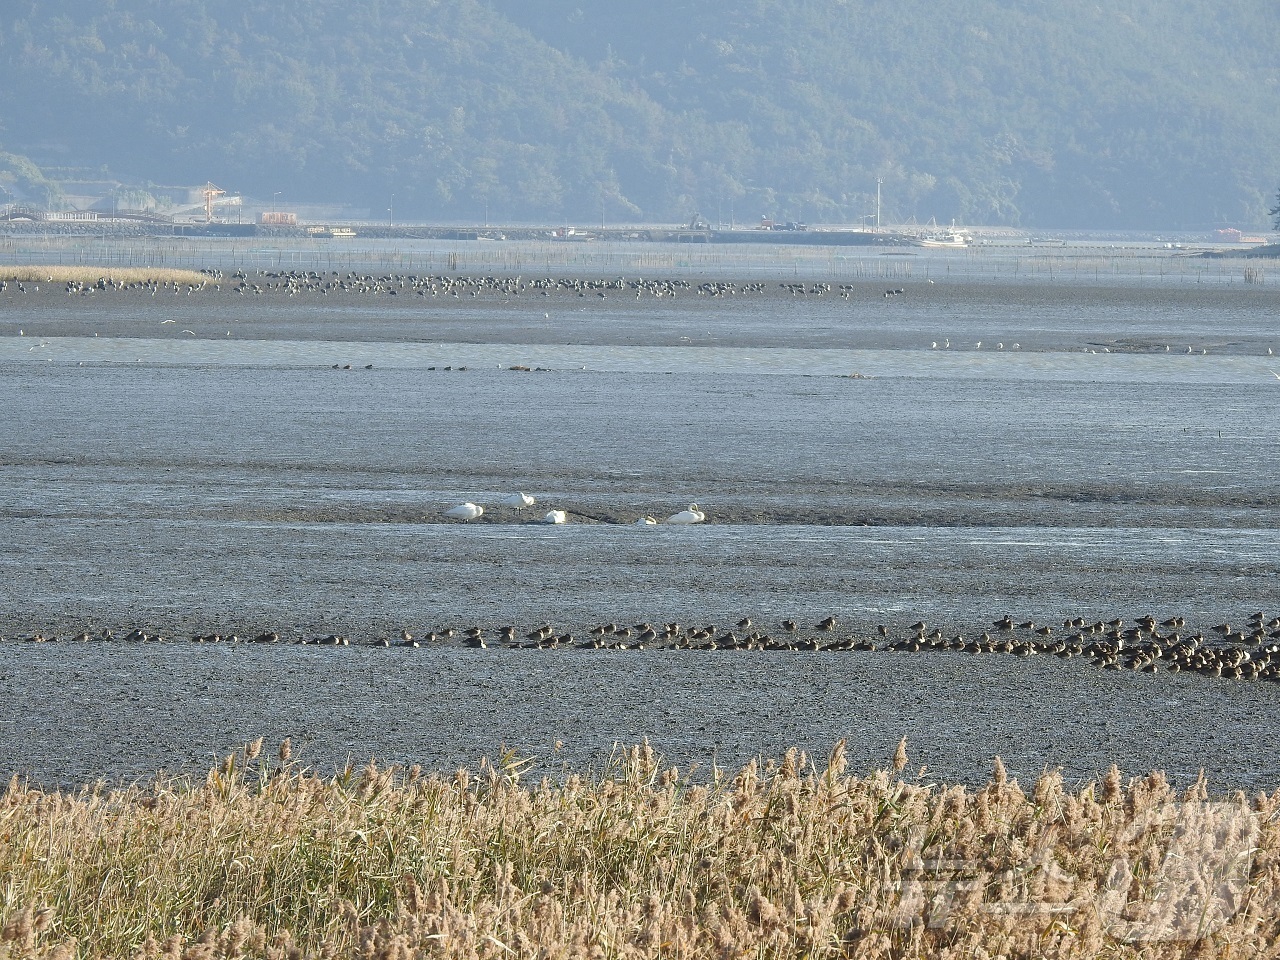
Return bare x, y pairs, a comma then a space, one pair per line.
521, 501
1251, 652
298, 282
294, 283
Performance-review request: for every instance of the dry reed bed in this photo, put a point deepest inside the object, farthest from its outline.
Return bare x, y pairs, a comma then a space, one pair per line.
263, 858
39, 274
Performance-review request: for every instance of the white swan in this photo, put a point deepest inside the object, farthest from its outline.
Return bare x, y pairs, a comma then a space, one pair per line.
691, 515
465, 511
519, 500
555, 516
646, 522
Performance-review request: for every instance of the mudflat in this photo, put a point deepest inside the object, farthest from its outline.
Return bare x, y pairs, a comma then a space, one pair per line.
190, 462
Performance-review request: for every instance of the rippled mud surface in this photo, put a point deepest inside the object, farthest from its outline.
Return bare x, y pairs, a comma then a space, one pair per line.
74, 714
874, 458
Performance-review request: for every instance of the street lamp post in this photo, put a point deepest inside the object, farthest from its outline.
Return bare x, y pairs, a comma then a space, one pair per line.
391, 212
273, 201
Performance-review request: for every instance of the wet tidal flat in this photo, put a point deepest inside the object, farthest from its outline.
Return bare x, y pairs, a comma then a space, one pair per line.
866, 457
73, 715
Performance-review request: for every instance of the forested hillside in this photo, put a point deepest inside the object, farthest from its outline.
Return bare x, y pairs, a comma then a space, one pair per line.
1039, 113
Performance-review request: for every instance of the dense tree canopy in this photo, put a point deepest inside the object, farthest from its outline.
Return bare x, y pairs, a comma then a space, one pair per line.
1132, 113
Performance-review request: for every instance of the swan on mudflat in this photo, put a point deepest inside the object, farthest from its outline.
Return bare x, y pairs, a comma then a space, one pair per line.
465, 511
519, 500
555, 516
691, 515
646, 521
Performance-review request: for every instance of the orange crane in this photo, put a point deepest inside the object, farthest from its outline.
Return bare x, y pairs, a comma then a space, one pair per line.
210, 193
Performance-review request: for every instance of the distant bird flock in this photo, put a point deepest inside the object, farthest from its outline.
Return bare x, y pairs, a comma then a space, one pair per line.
445, 287
1248, 652
294, 283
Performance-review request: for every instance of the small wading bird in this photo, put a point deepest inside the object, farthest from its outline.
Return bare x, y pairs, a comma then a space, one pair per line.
465, 511
691, 515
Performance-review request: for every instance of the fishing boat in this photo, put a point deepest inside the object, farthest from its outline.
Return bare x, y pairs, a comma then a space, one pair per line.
945, 238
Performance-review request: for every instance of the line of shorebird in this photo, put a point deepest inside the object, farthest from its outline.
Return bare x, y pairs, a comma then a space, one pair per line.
324, 283
105, 284
296, 282
1248, 652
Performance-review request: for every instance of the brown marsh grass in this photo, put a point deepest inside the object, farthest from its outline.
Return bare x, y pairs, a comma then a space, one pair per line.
38, 274
265, 858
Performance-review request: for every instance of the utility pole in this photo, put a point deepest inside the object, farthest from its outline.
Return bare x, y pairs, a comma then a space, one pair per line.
879, 180
391, 212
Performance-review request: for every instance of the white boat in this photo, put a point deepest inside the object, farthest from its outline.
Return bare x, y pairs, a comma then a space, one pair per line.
946, 238
931, 235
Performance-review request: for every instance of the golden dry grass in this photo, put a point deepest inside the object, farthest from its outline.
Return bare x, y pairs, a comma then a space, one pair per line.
38, 274
266, 859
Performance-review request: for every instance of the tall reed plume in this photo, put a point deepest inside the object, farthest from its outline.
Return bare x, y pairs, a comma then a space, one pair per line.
265, 858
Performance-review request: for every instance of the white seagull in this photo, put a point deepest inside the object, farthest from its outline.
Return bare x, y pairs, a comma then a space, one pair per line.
465, 511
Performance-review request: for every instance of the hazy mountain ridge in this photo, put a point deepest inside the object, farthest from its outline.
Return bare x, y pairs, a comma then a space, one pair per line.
1033, 113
